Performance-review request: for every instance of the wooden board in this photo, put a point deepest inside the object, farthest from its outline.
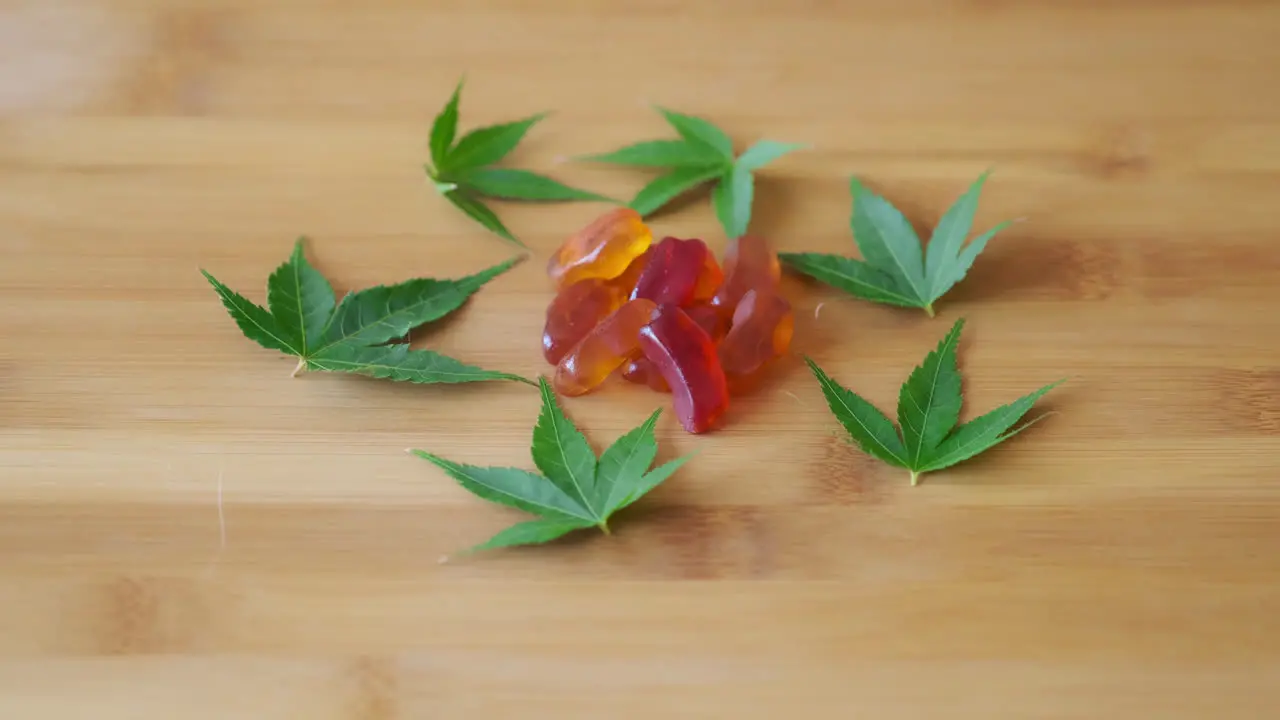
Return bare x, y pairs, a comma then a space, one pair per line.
187, 532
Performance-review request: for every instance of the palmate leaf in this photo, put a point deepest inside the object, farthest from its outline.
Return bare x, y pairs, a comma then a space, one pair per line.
463, 172
928, 410
304, 321
889, 245
575, 491
702, 154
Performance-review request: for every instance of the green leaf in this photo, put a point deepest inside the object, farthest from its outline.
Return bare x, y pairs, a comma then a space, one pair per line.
575, 492
732, 199
664, 189
300, 299
929, 402
481, 213
623, 465
947, 260
399, 362
888, 242
304, 322
651, 480
698, 130
253, 320
487, 145
984, 432
891, 247
869, 428
513, 487
563, 454
532, 532
661, 153
509, 184
445, 127
928, 409
764, 152
852, 276
385, 312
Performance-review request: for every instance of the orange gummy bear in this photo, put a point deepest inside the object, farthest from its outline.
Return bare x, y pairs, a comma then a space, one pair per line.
582, 305
604, 249
748, 264
604, 349
761, 331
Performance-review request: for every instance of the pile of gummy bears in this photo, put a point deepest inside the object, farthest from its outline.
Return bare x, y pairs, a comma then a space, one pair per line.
666, 314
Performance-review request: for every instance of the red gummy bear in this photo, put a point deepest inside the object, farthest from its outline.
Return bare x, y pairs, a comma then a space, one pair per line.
685, 356
748, 264
677, 272
642, 372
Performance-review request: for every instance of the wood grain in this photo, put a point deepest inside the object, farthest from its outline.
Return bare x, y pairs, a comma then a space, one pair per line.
187, 532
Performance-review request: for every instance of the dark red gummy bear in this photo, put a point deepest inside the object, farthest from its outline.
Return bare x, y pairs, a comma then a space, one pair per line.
686, 357
674, 269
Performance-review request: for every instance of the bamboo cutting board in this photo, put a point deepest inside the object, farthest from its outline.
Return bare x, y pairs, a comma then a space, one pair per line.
188, 532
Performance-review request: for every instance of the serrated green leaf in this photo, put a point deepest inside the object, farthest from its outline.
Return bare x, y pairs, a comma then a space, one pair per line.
253, 320
661, 153
732, 199
699, 130
764, 152
953, 272
301, 301
532, 532
347, 338
385, 312
563, 454
651, 480
888, 242
563, 497
445, 127
869, 428
481, 213
399, 362
984, 432
947, 259
509, 184
513, 487
929, 402
624, 463
852, 276
664, 189
928, 408
487, 145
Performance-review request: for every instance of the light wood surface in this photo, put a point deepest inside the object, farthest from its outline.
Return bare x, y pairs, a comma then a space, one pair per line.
187, 532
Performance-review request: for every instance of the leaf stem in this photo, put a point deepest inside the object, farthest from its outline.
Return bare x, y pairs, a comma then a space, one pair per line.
915, 478
300, 367
604, 527
928, 309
